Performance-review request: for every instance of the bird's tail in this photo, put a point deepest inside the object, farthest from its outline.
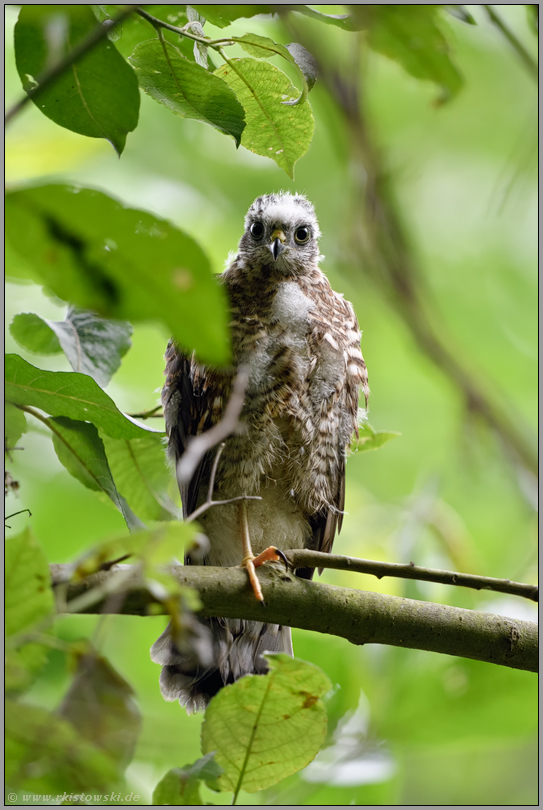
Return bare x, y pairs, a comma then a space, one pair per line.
217, 652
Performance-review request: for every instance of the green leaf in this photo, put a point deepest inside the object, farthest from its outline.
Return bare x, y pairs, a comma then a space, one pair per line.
297, 55
411, 36
305, 61
67, 393
181, 786
461, 13
46, 754
121, 263
100, 705
186, 88
153, 547
272, 130
348, 22
93, 345
141, 474
264, 728
98, 95
14, 425
33, 333
222, 15
28, 601
135, 29
81, 451
370, 439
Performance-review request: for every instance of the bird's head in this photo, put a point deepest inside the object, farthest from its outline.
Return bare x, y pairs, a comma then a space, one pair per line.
281, 234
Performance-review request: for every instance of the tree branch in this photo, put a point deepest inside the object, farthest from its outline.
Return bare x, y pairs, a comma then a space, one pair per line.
360, 617
303, 558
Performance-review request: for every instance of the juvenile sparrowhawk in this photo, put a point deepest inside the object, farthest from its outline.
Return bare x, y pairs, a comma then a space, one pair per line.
300, 343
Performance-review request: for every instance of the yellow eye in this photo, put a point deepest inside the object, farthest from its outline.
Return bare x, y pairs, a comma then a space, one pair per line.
301, 235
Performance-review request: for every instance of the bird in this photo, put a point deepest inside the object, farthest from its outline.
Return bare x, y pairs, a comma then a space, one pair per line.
299, 343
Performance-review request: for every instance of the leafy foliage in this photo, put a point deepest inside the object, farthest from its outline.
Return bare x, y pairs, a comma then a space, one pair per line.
186, 88
92, 251
181, 786
83, 98
69, 394
271, 129
246, 723
100, 705
93, 345
28, 601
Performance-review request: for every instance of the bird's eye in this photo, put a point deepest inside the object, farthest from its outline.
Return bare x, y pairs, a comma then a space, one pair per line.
301, 235
257, 230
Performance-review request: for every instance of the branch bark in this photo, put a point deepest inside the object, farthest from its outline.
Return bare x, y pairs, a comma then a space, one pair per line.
360, 617
303, 558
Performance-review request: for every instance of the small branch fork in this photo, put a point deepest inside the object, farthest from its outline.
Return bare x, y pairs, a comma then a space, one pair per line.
209, 500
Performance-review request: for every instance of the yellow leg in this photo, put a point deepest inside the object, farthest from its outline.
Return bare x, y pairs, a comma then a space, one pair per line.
250, 562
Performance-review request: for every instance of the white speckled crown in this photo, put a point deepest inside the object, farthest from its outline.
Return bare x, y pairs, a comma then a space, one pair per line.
284, 207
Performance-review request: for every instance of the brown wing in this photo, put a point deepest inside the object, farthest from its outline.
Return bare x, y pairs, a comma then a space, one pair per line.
187, 398
341, 330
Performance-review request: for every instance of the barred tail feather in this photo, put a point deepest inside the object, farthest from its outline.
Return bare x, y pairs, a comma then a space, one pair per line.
234, 648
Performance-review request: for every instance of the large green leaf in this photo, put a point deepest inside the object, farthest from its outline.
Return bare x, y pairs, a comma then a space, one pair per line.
297, 55
264, 728
100, 705
282, 133
141, 474
67, 393
46, 754
412, 36
121, 263
93, 345
28, 601
181, 786
186, 88
98, 95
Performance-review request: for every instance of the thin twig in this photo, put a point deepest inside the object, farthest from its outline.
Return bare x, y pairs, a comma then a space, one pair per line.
202, 444
517, 45
209, 500
151, 413
303, 558
157, 24
85, 46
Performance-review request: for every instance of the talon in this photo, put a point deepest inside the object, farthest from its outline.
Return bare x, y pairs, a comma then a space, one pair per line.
283, 557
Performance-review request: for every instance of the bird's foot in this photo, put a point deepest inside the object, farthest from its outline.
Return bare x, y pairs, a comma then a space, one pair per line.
270, 554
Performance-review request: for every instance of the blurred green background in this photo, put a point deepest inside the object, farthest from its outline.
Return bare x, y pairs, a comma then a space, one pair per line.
406, 727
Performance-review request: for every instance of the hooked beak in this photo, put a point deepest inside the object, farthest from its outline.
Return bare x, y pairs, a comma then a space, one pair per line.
277, 244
